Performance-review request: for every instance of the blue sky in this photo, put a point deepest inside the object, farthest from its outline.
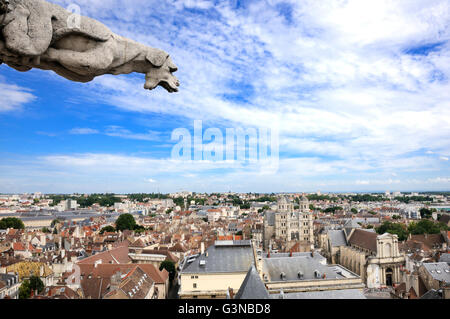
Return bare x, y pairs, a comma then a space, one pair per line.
359, 90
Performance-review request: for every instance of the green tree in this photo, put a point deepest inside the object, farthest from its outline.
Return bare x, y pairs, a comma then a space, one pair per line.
107, 229
396, 217
11, 222
426, 226
170, 267
425, 213
54, 222
333, 209
33, 284
25, 290
125, 221
245, 206
45, 230
354, 210
311, 207
393, 228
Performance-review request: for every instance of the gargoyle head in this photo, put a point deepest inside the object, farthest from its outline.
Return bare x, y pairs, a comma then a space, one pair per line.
4, 6
160, 72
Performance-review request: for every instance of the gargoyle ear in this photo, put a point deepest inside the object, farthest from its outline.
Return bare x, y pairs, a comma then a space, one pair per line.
157, 58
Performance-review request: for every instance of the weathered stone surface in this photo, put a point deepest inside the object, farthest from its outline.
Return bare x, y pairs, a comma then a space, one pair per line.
39, 34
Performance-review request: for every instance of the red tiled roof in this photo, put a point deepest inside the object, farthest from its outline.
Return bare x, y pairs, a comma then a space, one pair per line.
19, 247
117, 255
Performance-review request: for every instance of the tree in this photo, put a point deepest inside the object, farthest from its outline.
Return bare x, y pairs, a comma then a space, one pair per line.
332, 209
170, 267
396, 217
54, 222
25, 290
107, 229
33, 284
125, 221
11, 222
426, 226
354, 210
425, 213
393, 228
45, 230
311, 207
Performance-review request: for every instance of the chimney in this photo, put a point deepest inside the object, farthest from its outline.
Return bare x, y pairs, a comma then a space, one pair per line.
268, 253
41, 271
231, 293
202, 248
290, 253
312, 253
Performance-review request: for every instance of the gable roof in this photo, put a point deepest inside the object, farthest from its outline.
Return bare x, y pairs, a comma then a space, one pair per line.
117, 255
439, 271
337, 238
430, 241
364, 239
252, 287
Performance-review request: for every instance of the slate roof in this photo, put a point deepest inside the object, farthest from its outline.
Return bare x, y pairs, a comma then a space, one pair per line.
291, 266
431, 294
252, 287
222, 259
337, 238
327, 294
364, 239
439, 271
445, 258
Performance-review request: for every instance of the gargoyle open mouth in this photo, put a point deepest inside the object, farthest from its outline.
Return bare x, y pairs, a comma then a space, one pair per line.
171, 88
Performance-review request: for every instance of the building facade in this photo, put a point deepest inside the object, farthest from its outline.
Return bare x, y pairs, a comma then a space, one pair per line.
287, 224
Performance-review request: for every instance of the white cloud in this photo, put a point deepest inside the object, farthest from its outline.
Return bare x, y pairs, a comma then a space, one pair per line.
13, 97
336, 78
83, 131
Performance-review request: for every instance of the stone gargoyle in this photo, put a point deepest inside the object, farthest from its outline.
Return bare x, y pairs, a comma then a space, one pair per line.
37, 34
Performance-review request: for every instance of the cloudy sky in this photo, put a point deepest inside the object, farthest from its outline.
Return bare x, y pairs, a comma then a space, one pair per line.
359, 90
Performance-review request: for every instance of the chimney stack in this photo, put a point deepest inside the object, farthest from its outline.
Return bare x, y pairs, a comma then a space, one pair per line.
202, 248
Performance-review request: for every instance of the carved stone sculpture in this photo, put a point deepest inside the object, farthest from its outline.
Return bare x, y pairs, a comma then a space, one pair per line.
37, 34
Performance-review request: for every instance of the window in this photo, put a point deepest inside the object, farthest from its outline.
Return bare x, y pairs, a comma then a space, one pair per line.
196, 277
213, 296
194, 285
